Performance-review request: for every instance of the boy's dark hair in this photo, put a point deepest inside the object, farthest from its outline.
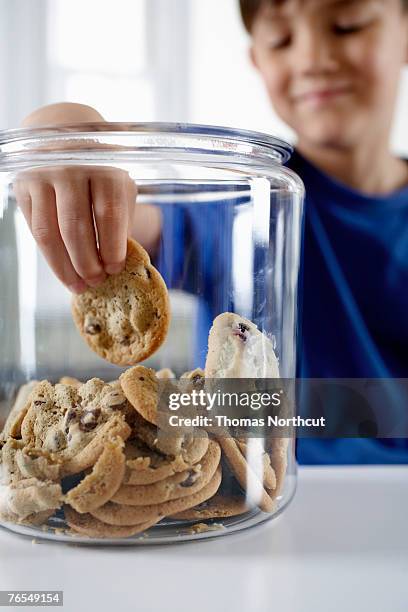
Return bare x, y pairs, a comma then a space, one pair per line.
250, 8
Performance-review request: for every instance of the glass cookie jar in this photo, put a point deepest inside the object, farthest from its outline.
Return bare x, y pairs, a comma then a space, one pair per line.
221, 217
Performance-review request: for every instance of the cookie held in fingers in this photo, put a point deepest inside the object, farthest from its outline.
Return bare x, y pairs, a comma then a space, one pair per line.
88, 525
104, 480
119, 514
126, 318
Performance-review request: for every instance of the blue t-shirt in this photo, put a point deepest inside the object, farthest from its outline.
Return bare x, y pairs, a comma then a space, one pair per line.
354, 321
354, 290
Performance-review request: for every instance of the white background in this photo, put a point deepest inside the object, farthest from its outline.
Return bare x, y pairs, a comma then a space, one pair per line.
342, 544
139, 60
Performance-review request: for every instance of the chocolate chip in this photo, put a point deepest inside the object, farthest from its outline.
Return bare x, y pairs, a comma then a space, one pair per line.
190, 480
60, 441
89, 419
89, 426
70, 415
92, 326
148, 273
241, 331
55, 441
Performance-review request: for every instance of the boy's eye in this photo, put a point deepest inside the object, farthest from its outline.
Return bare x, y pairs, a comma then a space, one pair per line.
348, 29
280, 43
352, 25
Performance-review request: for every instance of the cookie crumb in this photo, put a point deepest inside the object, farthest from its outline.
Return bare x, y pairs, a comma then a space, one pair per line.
60, 531
203, 527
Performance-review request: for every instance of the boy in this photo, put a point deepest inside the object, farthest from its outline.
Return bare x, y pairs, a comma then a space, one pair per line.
331, 68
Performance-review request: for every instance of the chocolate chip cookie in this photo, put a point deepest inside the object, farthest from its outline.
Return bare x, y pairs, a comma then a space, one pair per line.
73, 424
126, 319
179, 485
12, 426
121, 514
141, 388
88, 525
146, 466
237, 349
219, 506
102, 482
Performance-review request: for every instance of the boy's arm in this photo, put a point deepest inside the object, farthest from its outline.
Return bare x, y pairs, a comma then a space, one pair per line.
60, 204
58, 114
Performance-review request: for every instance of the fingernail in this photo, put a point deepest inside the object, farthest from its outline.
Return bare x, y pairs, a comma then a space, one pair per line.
78, 287
114, 268
96, 281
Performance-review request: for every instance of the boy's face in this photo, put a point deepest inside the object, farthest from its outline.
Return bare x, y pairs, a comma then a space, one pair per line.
331, 67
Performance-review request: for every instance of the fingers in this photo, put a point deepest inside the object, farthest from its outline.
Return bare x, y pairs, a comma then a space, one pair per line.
147, 226
80, 218
132, 195
113, 196
22, 193
76, 226
41, 216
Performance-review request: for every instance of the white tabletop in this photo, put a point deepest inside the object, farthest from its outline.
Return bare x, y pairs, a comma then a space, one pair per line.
341, 545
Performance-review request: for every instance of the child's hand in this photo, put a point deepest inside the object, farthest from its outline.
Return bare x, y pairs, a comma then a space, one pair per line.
80, 217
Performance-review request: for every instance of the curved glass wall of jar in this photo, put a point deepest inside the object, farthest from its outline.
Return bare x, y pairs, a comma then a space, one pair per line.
221, 219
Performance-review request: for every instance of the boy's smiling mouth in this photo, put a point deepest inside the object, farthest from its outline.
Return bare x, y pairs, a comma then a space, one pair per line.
322, 95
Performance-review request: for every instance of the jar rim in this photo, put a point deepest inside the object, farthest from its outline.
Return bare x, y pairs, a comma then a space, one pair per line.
22, 141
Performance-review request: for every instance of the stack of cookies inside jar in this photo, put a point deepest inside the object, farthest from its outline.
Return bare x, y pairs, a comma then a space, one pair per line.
92, 454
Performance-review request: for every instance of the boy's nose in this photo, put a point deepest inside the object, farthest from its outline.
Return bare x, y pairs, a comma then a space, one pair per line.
314, 53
